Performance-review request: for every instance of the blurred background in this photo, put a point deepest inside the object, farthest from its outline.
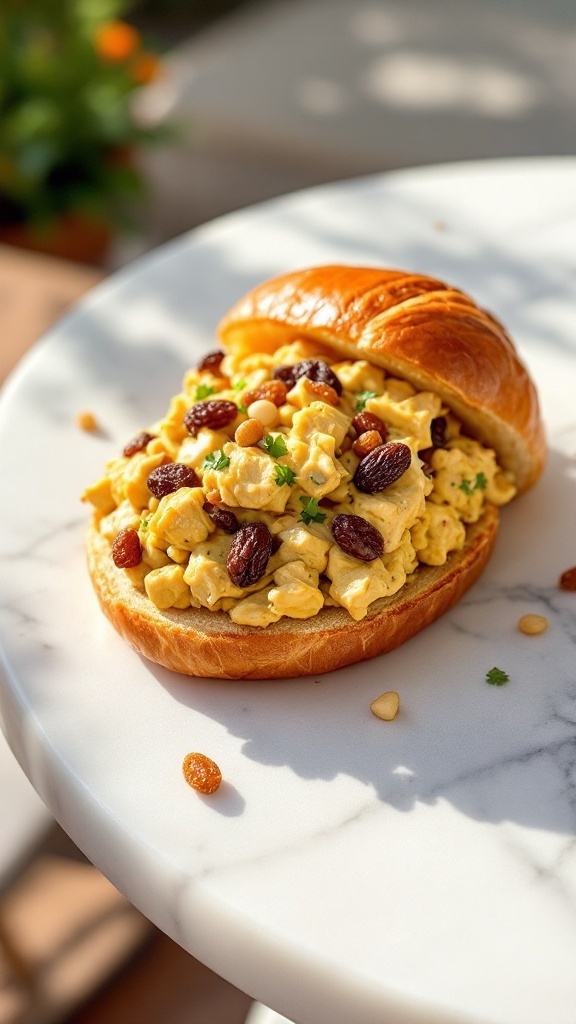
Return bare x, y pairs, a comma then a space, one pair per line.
123, 125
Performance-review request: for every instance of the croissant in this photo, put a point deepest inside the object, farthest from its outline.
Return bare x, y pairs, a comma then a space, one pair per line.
436, 351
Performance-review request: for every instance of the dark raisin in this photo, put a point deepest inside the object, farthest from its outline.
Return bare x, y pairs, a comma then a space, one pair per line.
357, 537
127, 549
166, 479
438, 432
214, 414
314, 369
364, 421
211, 363
222, 517
567, 580
382, 466
137, 444
249, 553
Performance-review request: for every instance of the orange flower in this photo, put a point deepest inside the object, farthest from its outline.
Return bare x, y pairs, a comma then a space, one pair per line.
116, 41
146, 68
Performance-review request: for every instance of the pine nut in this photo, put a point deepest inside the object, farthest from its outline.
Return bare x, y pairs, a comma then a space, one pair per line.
264, 411
386, 706
532, 624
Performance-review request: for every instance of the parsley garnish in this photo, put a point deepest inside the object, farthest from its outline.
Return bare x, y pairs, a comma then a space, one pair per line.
203, 391
240, 385
363, 397
479, 484
284, 475
216, 460
275, 446
311, 513
496, 677
143, 523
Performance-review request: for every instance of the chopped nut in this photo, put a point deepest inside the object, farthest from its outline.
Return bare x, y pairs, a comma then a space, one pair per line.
249, 432
366, 442
532, 624
87, 421
568, 579
201, 773
386, 706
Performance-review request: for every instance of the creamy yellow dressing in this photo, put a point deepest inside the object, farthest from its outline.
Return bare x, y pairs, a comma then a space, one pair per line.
421, 517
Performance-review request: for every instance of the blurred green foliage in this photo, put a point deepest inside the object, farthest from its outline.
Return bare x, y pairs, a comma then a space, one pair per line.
68, 73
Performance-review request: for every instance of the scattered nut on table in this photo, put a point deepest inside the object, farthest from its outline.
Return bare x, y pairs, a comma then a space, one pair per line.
532, 624
386, 706
201, 772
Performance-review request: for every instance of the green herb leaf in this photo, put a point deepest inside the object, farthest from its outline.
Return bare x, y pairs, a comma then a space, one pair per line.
216, 460
240, 385
480, 484
496, 677
311, 513
203, 391
241, 408
275, 446
363, 397
144, 523
284, 475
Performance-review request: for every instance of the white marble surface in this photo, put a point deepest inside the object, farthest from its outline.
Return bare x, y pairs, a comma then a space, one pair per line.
421, 871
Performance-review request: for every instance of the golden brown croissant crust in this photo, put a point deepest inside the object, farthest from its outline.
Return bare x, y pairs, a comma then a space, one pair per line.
415, 327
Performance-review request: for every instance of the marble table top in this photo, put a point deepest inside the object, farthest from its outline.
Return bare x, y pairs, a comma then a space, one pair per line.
420, 871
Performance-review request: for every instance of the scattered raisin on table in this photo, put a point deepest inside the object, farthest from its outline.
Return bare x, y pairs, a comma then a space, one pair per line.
221, 517
126, 549
568, 579
357, 537
170, 477
249, 553
211, 363
137, 444
201, 772
382, 466
214, 414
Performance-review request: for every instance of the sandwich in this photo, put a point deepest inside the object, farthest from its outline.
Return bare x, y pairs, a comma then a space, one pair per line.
325, 484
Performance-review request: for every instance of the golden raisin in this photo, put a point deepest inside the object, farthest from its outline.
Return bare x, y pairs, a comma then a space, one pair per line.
87, 421
366, 442
272, 390
322, 392
201, 773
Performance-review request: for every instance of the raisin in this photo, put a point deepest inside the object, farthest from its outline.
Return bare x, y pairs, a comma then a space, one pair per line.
211, 363
221, 517
382, 466
214, 414
438, 432
567, 580
438, 436
126, 549
357, 537
273, 390
249, 553
364, 421
166, 479
137, 444
314, 369
201, 772
366, 443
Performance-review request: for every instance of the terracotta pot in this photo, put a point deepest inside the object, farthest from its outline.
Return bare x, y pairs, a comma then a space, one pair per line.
73, 236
